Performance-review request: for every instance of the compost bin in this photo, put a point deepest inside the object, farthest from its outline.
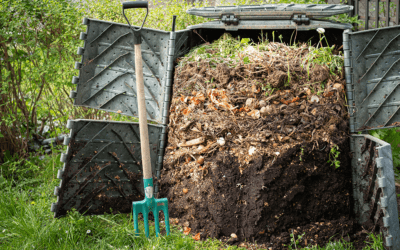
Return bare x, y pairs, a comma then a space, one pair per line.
282, 186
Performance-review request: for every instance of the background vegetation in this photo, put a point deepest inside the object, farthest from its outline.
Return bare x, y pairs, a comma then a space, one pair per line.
38, 42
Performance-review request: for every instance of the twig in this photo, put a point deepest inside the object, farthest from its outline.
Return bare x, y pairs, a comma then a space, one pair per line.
200, 37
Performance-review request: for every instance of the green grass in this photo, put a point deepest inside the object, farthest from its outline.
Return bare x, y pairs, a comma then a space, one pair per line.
392, 136
27, 223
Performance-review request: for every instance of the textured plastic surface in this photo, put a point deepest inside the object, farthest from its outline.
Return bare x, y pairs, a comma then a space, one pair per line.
107, 71
271, 11
374, 187
372, 64
271, 16
103, 167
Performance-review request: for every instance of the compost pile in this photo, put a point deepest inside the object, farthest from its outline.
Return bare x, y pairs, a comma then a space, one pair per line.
252, 145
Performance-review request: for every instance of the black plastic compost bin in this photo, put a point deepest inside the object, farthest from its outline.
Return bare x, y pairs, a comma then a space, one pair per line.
102, 168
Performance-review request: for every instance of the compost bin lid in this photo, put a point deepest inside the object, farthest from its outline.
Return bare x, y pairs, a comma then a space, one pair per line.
271, 11
372, 64
271, 16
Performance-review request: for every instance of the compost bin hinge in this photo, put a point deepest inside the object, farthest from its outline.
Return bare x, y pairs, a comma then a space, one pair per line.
349, 80
301, 19
230, 19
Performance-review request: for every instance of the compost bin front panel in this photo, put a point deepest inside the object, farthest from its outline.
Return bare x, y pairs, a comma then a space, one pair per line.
107, 79
374, 188
102, 167
372, 63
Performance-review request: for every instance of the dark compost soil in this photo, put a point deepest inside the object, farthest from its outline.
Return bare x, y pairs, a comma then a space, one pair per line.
243, 160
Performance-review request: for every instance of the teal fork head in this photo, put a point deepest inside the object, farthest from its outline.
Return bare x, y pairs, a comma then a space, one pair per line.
150, 204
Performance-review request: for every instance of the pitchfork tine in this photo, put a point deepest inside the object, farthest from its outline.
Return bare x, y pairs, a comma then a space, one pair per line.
146, 224
166, 215
135, 221
156, 222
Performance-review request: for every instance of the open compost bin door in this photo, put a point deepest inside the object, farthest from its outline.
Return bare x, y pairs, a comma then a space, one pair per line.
102, 170
372, 81
374, 187
372, 63
107, 71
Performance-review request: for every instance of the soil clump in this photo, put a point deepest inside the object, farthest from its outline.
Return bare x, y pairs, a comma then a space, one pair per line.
251, 148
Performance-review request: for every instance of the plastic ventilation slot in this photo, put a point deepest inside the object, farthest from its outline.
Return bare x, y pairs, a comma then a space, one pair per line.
80, 51
83, 36
389, 241
70, 124
63, 157
53, 207
382, 182
67, 140
386, 221
75, 80
384, 202
85, 21
78, 65
60, 174
73, 94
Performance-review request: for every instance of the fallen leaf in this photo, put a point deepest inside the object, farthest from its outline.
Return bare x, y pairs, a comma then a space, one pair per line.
284, 101
200, 160
328, 94
186, 111
174, 221
314, 111
186, 230
255, 89
196, 237
219, 98
295, 99
255, 113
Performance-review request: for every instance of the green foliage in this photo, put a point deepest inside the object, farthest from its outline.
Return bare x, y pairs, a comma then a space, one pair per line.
392, 136
160, 13
345, 18
295, 242
223, 50
301, 153
333, 156
38, 39
323, 56
27, 223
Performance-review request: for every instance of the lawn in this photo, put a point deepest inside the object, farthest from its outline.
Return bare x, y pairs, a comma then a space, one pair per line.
27, 223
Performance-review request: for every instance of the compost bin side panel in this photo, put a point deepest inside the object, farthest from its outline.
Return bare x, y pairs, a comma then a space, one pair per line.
102, 171
374, 187
107, 78
372, 62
